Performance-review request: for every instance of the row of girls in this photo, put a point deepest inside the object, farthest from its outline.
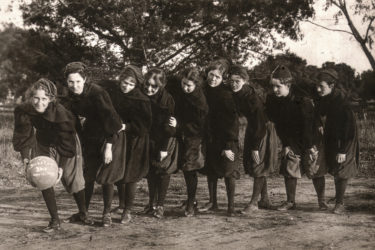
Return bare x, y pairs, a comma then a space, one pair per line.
138, 127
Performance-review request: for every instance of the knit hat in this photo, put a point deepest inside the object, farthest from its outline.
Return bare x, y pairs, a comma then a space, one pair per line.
134, 72
240, 71
328, 75
74, 67
281, 72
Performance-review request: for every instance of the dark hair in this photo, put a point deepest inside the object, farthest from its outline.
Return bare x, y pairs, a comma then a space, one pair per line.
157, 75
239, 71
75, 67
134, 72
42, 84
282, 73
192, 74
220, 64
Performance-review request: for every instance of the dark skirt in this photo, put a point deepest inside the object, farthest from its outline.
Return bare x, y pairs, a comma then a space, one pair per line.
169, 163
92, 157
190, 154
114, 171
295, 166
268, 153
137, 159
72, 178
347, 169
217, 165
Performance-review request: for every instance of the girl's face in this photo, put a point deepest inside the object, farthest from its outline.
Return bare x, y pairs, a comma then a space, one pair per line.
76, 83
279, 89
187, 86
40, 101
323, 88
236, 82
151, 87
128, 84
214, 78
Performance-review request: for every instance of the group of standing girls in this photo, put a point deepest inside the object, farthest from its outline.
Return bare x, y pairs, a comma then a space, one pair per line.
138, 127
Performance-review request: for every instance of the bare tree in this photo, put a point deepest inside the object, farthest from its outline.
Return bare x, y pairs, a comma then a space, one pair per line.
363, 8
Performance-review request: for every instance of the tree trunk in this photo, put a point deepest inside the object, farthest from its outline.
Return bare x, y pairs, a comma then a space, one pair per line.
358, 36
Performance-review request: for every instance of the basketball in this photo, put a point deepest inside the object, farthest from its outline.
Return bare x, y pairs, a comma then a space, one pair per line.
42, 172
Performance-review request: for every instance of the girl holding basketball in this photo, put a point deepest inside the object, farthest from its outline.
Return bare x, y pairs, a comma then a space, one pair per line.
43, 127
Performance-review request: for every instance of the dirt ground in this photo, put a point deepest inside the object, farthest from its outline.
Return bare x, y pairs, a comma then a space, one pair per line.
23, 215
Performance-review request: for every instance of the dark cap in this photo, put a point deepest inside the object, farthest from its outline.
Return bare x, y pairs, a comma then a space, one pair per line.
281, 72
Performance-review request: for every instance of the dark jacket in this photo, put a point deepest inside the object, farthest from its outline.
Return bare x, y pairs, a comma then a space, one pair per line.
249, 105
223, 124
294, 120
95, 105
54, 128
163, 107
191, 112
340, 124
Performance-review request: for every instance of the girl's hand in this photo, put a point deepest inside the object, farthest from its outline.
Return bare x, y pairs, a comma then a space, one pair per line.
108, 153
163, 154
122, 128
172, 122
59, 175
255, 156
321, 130
229, 154
25, 163
286, 151
340, 158
313, 152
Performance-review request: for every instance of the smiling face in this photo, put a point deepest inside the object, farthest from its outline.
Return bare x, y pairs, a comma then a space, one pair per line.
324, 89
76, 83
127, 84
279, 89
214, 78
236, 82
40, 100
187, 85
151, 87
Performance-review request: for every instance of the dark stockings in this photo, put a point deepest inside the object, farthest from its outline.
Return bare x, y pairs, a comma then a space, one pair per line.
121, 194
230, 184
107, 197
264, 192
162, 188
340, 185
152, 189
257, 189
212, 189
290, 186
79, 197
89, 189
319, 185
49, 198
130, 189
191, 180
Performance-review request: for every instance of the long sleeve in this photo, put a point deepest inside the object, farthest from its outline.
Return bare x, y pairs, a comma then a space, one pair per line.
23, 134
257, 123
348, 129
107, 115
140, 122
308, 117
230, 123
168, 131
66, 145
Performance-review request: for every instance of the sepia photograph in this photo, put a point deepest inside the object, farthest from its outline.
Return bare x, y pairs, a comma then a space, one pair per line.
187, 124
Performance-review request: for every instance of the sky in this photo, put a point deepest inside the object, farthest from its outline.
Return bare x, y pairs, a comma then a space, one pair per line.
317, 46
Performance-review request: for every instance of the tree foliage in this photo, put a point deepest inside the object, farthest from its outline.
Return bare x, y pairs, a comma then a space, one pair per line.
171, 33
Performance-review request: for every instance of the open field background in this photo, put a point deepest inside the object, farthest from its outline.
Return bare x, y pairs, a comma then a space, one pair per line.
23, 213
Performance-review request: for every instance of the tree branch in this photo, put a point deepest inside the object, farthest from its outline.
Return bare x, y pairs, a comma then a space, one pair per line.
368, 28
321, 26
